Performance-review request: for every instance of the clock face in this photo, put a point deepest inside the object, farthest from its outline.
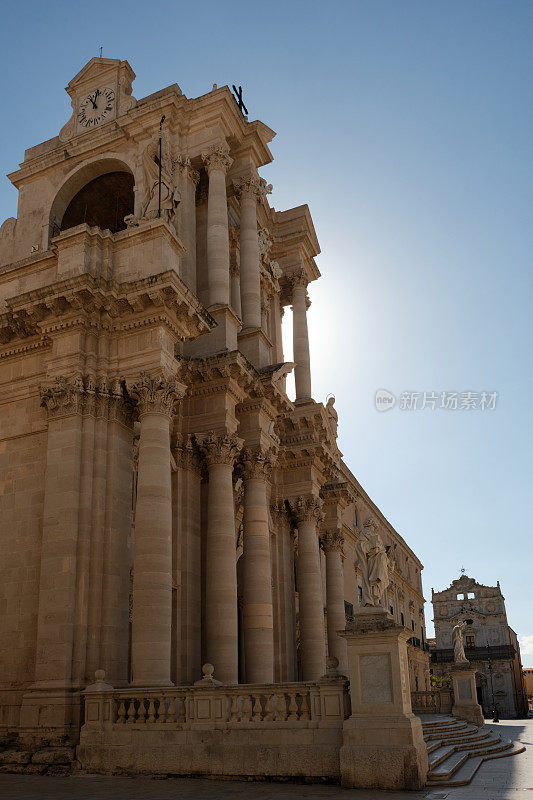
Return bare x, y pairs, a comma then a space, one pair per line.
96, 108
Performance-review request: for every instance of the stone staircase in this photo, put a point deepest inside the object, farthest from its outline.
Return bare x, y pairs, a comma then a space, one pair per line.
457, 749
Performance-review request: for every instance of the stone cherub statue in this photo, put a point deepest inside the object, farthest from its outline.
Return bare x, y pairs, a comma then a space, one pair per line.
373, 562
458, 646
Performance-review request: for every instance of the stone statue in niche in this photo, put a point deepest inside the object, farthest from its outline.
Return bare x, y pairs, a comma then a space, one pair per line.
373, 562
457, 643
170, 196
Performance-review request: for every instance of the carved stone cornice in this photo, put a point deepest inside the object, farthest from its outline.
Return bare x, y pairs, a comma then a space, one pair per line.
338, 492
88, 299
156, 394
187, 453
217, 157
252, 186
306, 508
182, 165
332, 541
257, 463
219, 448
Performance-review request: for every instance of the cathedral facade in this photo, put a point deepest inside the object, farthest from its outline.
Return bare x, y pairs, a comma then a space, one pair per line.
163, 502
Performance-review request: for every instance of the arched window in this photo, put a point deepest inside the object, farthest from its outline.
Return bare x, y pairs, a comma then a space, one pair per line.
103, 202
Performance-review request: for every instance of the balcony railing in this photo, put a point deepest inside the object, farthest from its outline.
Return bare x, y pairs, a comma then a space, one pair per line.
493, 653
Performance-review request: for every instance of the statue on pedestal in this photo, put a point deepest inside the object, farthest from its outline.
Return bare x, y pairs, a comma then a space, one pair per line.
374, 564
458, 646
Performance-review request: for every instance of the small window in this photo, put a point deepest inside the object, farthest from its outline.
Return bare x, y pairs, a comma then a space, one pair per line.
348, 609
471, 595
391, 609
413, 624
360, 595
461, 596
470, 640
402, 618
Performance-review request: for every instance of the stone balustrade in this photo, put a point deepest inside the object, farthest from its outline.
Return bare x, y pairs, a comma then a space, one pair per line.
290, 704
436, 701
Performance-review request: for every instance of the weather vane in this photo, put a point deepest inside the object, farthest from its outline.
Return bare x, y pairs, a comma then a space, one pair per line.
463, 570
237, 93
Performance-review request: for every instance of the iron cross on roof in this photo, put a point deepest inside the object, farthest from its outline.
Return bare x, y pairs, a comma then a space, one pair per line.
237, 93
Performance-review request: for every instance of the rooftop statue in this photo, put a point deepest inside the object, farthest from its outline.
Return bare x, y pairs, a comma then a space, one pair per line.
374, 564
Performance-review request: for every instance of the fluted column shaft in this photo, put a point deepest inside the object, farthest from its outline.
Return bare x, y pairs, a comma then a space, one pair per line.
221, 621
257, 606
311, 604
152, 559
217, 162
332, 543
300, 337
252, 190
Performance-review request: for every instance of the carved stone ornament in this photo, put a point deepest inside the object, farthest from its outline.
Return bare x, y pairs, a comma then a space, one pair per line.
156, 395
458, 645
217, 157
258, 464
182, 165
186, 452
298, 279
332, 541
170, 196
265, 245
307, 508
220, 448
252, 186
82, 394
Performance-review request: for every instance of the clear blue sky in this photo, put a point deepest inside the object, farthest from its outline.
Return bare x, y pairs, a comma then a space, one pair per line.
407, 128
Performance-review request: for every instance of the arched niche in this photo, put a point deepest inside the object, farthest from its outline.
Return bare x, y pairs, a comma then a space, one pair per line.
100, 193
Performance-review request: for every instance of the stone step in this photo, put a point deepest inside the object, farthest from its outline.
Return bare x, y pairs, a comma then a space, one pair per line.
476, 736
443, 723
464, 774
447, 768
450, 731
480, 744
439, 755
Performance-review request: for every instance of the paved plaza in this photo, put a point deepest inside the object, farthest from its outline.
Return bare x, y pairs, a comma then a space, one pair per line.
500, 779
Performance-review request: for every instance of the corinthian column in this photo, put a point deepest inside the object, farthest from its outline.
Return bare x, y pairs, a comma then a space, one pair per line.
186, 214
307, 512
257, 606
152, 555
300, 337
217, 162
251, 190
332, 543
221, 627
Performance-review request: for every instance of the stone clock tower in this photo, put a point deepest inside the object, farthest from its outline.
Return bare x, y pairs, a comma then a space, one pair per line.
163, 501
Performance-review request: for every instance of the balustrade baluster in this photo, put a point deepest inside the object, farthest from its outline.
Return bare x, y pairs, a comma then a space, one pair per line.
246, 708
293, 706
234, 708
141, 712
151, 710
281, 708
163, 715
131, 711
304, 707
258, 709
182, 712
121, 713
269, 708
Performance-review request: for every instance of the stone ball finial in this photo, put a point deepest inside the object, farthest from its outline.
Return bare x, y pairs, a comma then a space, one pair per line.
99, 675
208, 670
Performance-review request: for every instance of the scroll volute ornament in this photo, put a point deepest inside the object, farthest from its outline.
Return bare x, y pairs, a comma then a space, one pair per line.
252, 186
156, 394
217, 157
258, 463
332, 541
63, 395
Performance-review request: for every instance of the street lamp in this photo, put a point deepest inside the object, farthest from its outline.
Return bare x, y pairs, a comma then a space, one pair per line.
495, 717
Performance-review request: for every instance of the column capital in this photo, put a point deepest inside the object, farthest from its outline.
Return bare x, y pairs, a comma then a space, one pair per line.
332, 541
183, 165
252, 186
217, 157
156, 394
258, 463
220, 448
62, 396
186, 452
306, 508
298, 279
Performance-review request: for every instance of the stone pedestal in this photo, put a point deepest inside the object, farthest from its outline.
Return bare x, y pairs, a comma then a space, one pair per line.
465, 704
383, 746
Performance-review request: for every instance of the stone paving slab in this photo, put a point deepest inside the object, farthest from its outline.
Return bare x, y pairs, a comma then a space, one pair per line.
500, 779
